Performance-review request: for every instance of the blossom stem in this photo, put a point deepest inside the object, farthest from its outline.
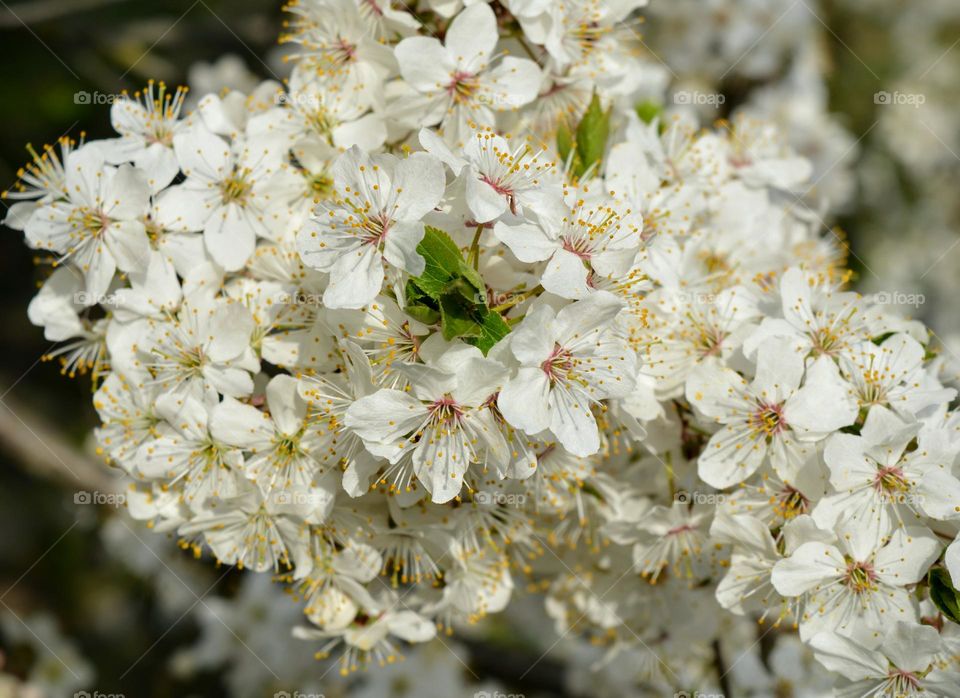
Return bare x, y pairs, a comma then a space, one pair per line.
473, 256
518, 299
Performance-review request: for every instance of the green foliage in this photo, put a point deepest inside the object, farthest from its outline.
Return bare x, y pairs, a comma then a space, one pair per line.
648, 111
584, 149
944, 594
452, 293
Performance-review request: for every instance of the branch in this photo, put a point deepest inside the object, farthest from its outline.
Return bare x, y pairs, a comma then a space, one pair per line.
37, 446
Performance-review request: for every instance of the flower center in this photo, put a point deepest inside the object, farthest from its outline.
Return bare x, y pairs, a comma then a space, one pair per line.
559, 365
791, 502
462, 86
860, 577
579, 245
445, 411
890, 480
92, 222
235, 188
767, 420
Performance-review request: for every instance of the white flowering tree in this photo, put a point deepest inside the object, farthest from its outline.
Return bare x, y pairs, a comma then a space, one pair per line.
458, 313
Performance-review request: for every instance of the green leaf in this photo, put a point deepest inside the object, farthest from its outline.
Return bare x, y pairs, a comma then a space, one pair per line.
648, 111
564, 140
444, 265
592, 134
943, 594
451, 293
459, 319
492, 330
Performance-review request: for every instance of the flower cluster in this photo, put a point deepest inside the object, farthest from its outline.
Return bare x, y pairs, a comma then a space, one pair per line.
448, 311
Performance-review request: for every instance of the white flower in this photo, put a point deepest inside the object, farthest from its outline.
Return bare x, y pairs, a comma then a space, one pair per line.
98, 227
374, 215
454, 83
760, 158
688, 329
499, 177
147, 124
857, 586
233, 193
335, 589
203, 350
772, 417
583, 243
336, 41
285, 444
187, 451
255, 532
328, 398
41, 181
444, 422
880, 484
901, 666
368, 637
314, 112
892, 374
570, 360
820, 319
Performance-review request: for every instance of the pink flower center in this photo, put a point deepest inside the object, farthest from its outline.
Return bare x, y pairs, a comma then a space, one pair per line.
890, 480
445, 411
767, 419
559, 365
462, 86
860, 577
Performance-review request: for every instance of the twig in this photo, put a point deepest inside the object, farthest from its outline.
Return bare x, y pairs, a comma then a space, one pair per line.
39, 448
46, 10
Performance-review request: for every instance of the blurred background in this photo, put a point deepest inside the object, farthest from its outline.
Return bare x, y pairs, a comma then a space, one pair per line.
89, 600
